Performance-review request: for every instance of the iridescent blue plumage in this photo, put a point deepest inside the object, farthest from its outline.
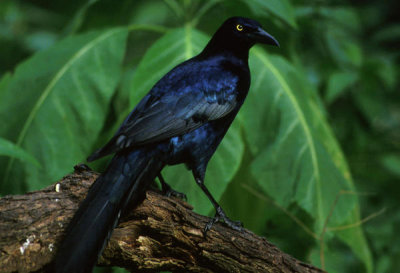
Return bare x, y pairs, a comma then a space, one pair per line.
181, 120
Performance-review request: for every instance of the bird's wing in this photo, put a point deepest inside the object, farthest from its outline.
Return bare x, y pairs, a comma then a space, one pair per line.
171, 117
173, 113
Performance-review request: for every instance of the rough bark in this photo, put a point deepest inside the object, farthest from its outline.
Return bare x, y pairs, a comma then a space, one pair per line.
160, 234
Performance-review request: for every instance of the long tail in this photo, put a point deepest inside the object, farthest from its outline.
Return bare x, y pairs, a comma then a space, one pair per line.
123, 183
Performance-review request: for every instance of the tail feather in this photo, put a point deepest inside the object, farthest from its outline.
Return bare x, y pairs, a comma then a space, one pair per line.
123, 183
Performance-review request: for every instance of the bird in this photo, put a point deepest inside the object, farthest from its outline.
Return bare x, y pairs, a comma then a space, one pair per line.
181, 120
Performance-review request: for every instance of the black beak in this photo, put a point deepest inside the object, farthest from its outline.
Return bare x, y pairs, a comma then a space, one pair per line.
261, 36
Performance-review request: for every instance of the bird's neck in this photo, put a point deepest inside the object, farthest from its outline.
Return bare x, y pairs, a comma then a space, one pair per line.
219, 46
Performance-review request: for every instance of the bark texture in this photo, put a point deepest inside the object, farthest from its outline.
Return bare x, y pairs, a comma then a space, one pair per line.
160, 234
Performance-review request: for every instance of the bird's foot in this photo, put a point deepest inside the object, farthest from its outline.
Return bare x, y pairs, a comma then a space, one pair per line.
220, 215
82, 167
168, 191
171, 192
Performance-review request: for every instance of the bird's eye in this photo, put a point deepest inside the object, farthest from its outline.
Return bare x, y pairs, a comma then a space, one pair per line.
239, 27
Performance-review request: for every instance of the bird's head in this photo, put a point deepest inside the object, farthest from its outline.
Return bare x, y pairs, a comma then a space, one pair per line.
239, 34
247, 30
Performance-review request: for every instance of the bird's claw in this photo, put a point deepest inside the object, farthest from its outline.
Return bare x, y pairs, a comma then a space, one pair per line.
220, 215
171, 192
82, 167
168, 191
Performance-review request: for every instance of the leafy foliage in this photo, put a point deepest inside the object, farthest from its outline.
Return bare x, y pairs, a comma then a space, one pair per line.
54, 104
301, 164
11, 150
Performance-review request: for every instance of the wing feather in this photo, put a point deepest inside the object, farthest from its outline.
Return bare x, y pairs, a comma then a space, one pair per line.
166, 113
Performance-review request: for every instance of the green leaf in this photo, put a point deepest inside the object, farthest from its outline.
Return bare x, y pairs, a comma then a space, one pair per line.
341, 17
5, 80
391, 162
7, 148
77, 20
334, 256
372, 102
387, 33
338, 83
343, 48
385, 68
173, 48
297, 157
280, 8
55, 105
355, 239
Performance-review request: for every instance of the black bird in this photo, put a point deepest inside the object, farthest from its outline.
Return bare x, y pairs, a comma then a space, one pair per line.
181, 120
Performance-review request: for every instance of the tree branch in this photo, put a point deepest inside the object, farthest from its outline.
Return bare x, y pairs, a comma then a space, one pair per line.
160, 234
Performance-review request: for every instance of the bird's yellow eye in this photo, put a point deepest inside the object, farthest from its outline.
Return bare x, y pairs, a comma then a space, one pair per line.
239, 27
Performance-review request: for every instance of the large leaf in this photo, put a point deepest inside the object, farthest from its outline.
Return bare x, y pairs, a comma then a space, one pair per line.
175, 47
343, 48
55, 103
297, 157
280, 8
338, 83
7, 148
77, 20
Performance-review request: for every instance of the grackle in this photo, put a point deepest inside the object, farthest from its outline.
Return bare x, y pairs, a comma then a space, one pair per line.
181, 120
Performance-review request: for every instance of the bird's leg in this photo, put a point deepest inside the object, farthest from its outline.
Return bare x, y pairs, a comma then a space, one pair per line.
168, 191
219, 212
